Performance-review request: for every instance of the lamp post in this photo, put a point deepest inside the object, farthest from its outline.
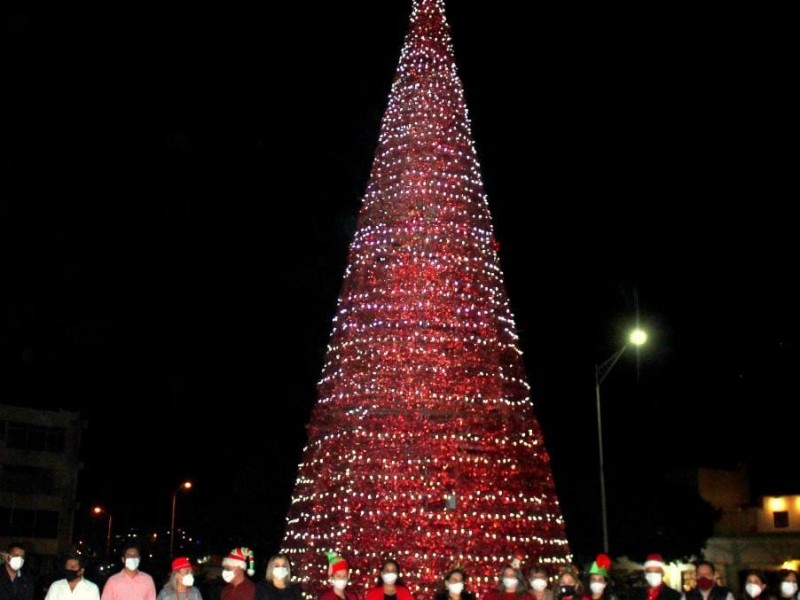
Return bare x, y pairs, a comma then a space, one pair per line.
99, 510
636, 338
186, 485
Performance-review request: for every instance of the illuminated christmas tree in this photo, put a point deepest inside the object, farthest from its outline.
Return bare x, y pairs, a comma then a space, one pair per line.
423, 445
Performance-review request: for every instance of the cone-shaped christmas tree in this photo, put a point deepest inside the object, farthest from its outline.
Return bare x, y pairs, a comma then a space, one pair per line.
423, 445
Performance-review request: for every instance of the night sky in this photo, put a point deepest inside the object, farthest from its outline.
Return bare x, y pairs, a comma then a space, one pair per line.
180, 189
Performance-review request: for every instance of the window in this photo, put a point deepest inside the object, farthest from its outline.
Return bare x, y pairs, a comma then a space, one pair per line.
28, 523
24, 436
26, 480
46, 524
780, 518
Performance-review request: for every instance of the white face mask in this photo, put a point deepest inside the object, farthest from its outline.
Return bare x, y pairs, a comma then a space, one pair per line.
597, 587
16, 562
227, 575
654, 579
510, 582
188, 580
788, 588
455, 588
389, 578
753, 589
280, 572
539, 584
339, 584
131, 564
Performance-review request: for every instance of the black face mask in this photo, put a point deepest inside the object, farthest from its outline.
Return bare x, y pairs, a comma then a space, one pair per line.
69, 574
566, 590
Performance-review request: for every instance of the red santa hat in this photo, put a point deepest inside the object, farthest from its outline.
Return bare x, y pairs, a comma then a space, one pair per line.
181, 563
654, 560
242, 558
336, 563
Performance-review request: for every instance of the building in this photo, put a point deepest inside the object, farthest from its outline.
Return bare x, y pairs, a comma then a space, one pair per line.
38, 478
764, 534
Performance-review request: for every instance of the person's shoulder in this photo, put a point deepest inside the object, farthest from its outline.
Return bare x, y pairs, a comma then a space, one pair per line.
671, 593
114, 577
87, 583
55, 585
403, 593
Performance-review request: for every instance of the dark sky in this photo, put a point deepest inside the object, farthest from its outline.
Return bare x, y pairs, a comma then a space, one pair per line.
181, 188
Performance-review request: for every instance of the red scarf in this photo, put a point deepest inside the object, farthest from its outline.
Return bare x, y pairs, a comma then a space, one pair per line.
654, 592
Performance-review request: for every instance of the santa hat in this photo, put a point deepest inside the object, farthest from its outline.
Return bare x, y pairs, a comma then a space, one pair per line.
181, 563
242, 558
654, 560
516, 561
601, 565
336, 563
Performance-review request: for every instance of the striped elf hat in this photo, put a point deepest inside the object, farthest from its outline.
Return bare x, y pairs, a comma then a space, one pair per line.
242, 558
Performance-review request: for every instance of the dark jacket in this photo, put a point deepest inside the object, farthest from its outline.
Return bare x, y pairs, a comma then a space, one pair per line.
20, 589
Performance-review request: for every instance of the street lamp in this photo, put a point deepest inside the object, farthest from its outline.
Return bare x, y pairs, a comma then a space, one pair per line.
99, 510
186, 485
636, 338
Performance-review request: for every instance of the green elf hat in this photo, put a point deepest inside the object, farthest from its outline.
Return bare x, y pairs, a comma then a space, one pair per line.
601, 565
336, 563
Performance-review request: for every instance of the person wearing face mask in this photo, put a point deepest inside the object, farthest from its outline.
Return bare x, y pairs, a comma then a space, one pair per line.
539, 579
13, 585
569, 586
389, 585
512, 585
599, 580
338, 576
707, 587
238, 586
453, 586
180, 585
130, 583
788, 586
755, 586
278, 582
72, 585
656, 589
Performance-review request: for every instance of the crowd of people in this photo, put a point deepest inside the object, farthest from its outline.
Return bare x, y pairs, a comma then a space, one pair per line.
238, 569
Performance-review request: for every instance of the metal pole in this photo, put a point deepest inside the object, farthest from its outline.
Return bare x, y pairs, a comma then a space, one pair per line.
604, 515
108, 536
172, 525
600, 374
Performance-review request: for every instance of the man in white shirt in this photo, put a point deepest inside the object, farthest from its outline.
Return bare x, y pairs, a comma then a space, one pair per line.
72, 586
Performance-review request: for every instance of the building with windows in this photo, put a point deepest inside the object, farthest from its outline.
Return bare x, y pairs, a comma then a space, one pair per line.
764, 534
39, 467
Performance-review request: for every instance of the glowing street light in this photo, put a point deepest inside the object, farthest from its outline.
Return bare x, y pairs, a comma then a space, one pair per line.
636, 338
97, 511
186, 485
